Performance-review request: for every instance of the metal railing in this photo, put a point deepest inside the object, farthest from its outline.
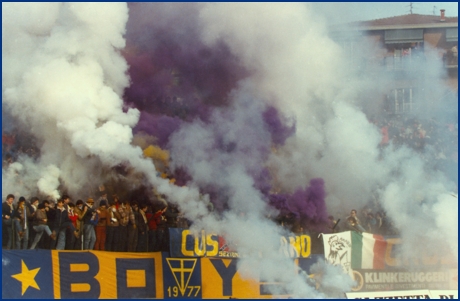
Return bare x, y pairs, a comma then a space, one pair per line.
402, 62
451, 61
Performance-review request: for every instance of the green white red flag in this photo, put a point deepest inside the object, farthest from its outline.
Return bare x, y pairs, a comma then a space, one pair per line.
368, 251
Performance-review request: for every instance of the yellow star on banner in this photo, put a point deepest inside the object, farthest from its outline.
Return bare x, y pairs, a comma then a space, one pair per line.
27, 277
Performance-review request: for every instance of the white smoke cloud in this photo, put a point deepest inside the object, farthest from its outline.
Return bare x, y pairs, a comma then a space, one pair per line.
330, 279
448, 232
63, 78
273, 46
304, 73
49, 181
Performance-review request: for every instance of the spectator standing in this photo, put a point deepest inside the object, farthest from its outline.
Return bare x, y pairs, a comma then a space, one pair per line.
79, 210
123, 210
116, 200
50, 211
101, 226
40, 225
152, 227
372, 223
171, 215
22, 214
33, 209
160, 237
102, 197
385, 137
113, 236
143, 239
133, 227
353, 222
62, 221
71, 240
90, 220
7, 219
385, 226
454, 51
333, 225
66, 199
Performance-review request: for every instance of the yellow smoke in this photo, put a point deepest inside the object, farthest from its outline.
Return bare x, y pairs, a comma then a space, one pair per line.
160, 159
156, 153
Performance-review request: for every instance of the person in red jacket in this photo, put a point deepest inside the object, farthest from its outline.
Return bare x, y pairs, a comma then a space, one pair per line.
101, 226
152, 227
385, 137
73, 216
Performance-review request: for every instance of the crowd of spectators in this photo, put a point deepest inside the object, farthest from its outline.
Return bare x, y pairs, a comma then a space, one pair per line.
109, 224
106, 224
434, 141
15, 145
369, 220
442, 137
372, 218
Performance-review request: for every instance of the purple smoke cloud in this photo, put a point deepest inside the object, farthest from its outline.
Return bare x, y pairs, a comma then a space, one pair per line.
176, 79
308, 205
279, 131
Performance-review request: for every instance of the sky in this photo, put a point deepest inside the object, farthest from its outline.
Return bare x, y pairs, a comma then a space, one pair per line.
363, 11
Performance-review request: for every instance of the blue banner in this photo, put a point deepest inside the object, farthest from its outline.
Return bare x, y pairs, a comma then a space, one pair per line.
182, 278
184, 243
27, 274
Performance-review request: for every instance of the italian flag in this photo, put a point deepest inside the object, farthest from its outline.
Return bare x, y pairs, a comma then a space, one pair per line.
367, 251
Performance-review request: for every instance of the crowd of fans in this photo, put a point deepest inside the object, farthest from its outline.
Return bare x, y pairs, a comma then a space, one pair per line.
15, 145
366, 221
435, 142
108, 224
372, 218
103, 224
113, 225
440, 137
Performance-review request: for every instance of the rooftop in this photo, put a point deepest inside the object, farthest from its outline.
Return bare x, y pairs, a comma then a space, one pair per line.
409, 19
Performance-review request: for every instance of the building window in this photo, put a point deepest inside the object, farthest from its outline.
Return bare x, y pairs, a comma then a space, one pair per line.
401, 100
452, 34
404, 56
399, 36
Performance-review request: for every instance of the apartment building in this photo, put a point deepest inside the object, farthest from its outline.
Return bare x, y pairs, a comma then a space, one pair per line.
414, 51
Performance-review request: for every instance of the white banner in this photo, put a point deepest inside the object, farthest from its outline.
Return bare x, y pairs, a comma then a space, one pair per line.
337, 250
420, 294
417, 294
444, 294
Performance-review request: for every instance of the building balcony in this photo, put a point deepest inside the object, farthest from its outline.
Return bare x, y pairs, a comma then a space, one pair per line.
451, 62
414, 67
403, 63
